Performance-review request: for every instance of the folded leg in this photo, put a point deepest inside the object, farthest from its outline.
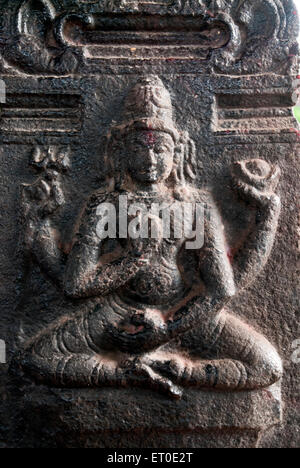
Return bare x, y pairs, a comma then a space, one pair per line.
69, 354
227, 354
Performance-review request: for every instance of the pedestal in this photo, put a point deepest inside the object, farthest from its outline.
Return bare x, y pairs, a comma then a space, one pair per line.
135, 418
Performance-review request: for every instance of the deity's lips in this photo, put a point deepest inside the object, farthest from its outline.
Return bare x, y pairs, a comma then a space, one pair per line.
149, 170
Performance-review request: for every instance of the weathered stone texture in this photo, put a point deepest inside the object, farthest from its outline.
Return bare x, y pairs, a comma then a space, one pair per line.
144, 343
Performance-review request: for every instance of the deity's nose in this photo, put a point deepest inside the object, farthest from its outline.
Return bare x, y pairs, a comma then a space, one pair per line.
150, 156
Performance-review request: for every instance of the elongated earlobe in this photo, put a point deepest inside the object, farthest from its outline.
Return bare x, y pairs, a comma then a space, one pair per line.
185, 165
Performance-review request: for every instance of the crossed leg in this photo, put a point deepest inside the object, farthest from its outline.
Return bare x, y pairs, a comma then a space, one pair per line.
75, 352
227, 354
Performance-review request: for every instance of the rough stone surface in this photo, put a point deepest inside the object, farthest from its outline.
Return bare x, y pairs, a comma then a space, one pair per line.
63, 416
143, 342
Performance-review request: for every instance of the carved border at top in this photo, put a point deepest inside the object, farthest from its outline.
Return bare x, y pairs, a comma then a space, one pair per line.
55, 37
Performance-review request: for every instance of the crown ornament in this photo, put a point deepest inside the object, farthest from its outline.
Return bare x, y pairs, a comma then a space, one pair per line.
148, 107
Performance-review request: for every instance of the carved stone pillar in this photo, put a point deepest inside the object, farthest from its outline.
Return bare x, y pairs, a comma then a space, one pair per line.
149, 181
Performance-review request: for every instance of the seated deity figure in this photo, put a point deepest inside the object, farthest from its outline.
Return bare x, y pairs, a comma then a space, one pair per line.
150, 311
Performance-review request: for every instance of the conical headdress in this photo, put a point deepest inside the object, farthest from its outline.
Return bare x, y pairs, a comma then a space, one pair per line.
148, 106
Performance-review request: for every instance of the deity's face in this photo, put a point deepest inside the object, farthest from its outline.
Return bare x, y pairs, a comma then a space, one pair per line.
150, 156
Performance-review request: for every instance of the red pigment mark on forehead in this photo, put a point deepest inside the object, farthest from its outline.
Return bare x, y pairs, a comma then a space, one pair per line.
150, 137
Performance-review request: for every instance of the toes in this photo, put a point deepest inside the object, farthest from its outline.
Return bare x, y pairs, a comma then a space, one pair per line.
161, 383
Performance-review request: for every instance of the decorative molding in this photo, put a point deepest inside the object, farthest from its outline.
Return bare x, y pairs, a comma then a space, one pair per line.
228, 37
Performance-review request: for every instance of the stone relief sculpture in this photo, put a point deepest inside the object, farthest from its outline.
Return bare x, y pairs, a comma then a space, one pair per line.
160, 314
50, 37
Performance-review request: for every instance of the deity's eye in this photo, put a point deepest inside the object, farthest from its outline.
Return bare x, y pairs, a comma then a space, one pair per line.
162, 149
136, 146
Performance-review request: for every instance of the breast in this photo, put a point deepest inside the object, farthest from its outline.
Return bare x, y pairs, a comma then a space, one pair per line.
156, 284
